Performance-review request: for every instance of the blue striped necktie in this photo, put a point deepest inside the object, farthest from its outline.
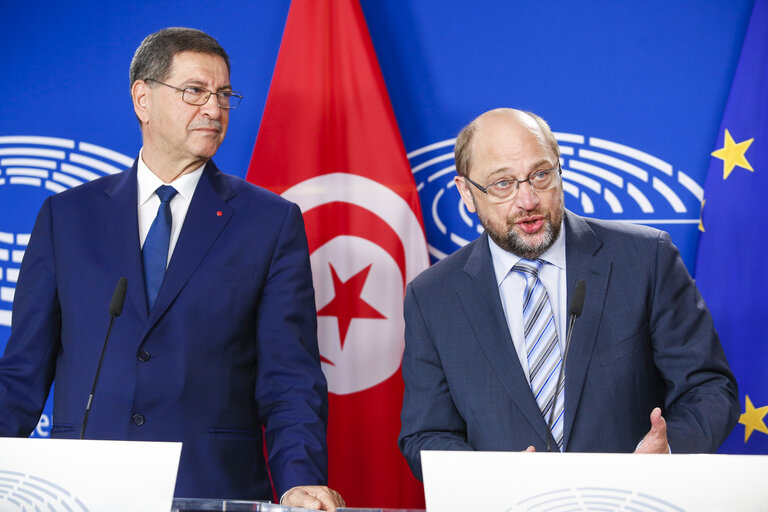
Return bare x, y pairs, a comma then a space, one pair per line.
155, 251
542, 347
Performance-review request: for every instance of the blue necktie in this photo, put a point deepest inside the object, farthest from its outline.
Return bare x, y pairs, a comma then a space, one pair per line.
544, 358
155, 250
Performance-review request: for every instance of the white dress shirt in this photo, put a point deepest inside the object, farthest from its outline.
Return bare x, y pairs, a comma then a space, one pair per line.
148, 202
512, 287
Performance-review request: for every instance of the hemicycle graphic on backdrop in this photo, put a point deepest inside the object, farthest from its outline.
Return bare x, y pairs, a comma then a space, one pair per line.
31, 169
601, 179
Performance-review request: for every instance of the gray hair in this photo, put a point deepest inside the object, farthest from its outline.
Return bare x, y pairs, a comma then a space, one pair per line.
154, 56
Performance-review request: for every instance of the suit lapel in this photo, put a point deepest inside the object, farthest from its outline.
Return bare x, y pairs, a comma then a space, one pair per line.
121, 214
485, 314
207, 215
583, 262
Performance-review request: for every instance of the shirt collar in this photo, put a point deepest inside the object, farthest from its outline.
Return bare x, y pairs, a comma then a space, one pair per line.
148, 181
503, 260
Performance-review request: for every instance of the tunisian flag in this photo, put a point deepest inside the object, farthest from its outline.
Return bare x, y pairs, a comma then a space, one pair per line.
329, 142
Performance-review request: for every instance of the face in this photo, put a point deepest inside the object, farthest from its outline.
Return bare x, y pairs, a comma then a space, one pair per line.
509, 145
173, 130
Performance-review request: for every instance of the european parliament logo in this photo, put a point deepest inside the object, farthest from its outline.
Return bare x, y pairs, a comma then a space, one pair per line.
605, 498
24, 492
601, 179
31, 169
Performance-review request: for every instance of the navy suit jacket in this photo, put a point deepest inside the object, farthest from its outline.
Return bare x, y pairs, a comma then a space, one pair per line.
229, 347
644, 339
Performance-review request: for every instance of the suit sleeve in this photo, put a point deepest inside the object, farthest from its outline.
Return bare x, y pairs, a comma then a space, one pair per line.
291, 390
430, 420
28, 365
701, 403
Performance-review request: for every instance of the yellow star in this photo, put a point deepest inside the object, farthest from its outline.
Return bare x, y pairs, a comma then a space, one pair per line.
701, 215
732, 154
752, 419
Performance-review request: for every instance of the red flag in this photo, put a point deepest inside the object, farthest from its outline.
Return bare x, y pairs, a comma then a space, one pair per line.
329, 141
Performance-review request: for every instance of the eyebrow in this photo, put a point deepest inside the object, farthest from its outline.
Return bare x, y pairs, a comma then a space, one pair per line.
204, 84
543, 161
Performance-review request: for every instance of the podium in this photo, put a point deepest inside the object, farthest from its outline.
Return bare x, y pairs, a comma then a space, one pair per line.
105, 476
211, 505
87, 476
541, 482
208, 505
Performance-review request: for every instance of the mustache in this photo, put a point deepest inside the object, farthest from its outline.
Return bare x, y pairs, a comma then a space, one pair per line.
209, 123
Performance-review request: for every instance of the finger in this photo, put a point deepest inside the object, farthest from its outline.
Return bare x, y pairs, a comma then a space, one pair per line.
317, 497
657, 420
300, 498
655, 441
530, 449
329, 498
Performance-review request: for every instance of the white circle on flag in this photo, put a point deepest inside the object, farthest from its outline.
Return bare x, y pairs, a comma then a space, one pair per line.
362, 345
347, 358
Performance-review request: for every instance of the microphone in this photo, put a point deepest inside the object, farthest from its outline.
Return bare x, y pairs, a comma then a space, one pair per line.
115, 308
574, 312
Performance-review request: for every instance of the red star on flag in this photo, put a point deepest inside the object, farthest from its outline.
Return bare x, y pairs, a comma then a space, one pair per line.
347, 302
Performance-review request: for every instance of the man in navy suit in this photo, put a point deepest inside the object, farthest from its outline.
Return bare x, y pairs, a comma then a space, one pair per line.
217, 347
485, 343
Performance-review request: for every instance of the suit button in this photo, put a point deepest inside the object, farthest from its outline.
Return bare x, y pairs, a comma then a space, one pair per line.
143, 356
138, 419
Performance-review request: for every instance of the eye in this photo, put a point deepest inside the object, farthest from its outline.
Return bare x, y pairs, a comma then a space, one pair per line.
540, 175
225, 94
503, 184
194, 90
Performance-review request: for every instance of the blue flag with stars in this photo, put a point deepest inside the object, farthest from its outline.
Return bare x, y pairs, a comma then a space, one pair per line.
732, 265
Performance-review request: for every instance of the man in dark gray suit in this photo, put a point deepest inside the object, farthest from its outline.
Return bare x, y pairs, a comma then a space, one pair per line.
486, 332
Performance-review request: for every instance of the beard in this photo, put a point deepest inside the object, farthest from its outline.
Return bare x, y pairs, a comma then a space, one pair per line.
522, 244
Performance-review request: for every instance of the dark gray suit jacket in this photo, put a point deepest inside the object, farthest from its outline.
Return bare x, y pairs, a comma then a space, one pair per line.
644, 339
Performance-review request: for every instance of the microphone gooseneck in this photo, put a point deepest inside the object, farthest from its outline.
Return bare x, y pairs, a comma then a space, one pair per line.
115, 308
574, 312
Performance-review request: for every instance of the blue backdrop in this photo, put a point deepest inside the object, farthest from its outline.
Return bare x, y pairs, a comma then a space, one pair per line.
635, 92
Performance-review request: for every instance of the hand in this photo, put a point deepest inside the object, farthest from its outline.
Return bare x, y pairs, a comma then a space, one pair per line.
530, 449
315, 497
655, 441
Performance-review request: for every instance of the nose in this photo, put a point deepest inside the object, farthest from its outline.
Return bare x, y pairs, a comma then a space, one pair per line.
211, 107
526, 196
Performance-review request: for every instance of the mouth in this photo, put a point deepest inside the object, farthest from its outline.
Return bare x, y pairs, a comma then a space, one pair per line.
208, 130
531, 224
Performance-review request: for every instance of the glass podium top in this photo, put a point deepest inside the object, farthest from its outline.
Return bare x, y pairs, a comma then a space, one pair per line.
207, 505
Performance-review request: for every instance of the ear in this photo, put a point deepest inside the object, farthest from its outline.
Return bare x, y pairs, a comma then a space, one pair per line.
466, 194
141, 95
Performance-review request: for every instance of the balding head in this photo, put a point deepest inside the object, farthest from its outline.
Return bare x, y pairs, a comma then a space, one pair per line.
488, 123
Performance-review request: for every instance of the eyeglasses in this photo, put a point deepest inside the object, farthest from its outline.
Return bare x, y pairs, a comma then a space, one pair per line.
198, 96
507, 189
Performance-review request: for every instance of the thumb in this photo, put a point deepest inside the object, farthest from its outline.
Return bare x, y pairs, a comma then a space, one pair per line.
655, 441
658, 423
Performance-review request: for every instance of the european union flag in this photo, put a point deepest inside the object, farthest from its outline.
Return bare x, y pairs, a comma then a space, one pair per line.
732, 264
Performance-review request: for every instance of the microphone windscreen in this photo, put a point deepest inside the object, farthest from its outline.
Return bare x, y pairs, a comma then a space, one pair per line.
577, 301
118, 298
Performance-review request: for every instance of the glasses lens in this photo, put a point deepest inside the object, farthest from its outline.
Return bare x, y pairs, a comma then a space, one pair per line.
543, 180
503, 189
229, 99
222, 98
195, 95
506, 190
